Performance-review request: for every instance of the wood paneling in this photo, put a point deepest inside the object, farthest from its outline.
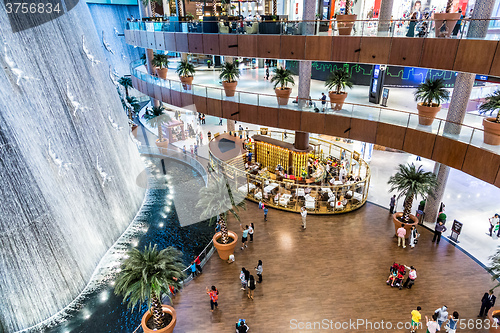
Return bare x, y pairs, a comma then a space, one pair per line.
211, 44
157, 95
475, 56
267, 116
228, 45
318, 48
169, 41
345, 48
151, 40
481, 163
201, 103
269, 46
292, 47
495, 65
195, 42
337, 125
439, 53
289, 119
137, 38
390, 136
143, 37
175, 98
419, 143
312, 122
214, 107
363, 130
165, 95
247, 45
248, 113
181, 42
150, 89
497, 180
375, 50
406, 51
160, 40
135, 82
187, 99
449, 152
129, 37
229, 108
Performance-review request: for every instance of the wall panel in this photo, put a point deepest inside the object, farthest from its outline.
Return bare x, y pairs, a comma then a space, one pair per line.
211, 44
318, 48
292, 47
195, 43
228, 45
375, 50
406, 51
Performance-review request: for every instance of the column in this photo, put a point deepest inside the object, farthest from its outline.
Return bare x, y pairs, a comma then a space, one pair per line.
166, 7
301, 140
308, 13
230, 124
482, 11
432, 204
458, 103
184, 56
384, 17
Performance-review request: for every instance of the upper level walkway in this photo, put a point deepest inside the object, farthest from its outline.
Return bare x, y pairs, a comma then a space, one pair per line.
318, 41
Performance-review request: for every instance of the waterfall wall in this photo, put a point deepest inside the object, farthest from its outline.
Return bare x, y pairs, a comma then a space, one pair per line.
67, 163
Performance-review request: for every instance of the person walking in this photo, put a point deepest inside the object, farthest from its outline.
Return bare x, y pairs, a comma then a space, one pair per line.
251, 286
259, 271
487, 302
401, 232
440, 228
323, 102
267, 73
220, 121
203, 119
243, 279
209, 136
392, 204
415, 319
413, 236
303, 213
250, 232
213, 293
198, 264
493, 222
432, 325
265, 213
412, 276
451, 326
184, 150
244, 237
442, 315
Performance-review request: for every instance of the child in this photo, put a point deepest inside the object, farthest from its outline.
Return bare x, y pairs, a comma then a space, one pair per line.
231, 259
265, 213
259, 271
451, 326
415, 319
432, 325
243, 279
244, 236
214, 297
250, 232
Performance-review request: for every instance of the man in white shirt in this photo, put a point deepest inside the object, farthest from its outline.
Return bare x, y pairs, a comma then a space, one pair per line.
442, 315
303, 212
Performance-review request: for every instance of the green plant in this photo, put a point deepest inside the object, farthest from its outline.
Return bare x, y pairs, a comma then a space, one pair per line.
160, 60
217, 200
189, 16
448, 6
282, 77
126, 82
185, 69
146, 274
133, 106
339, 79
432, 90
348, 6
143, 59
155, 118
411, 182
229, 72
492, 104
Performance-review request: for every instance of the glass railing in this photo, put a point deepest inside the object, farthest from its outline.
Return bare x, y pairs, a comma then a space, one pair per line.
456, 131
425, 28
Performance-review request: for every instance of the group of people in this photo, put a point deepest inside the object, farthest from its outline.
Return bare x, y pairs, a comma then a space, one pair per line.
439, 319
247, 280
421, 23
414, 234
397, 275
494, 225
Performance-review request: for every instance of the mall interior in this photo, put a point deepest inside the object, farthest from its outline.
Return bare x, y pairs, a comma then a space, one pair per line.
199, 151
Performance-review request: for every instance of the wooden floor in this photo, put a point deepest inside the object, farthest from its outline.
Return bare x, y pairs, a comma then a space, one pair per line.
335, 270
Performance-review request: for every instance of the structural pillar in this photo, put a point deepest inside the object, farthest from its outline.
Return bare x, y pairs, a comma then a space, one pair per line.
458, 103
301, 140
432, 203
230, 124
308, 13
184, 56
384, 18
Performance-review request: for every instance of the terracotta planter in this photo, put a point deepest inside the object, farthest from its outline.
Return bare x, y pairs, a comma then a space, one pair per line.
162, 73
337, 100
451, 20
491, 131
162, 144
397, 224
229, 87
345, 24
186, 81
283, 95
224, 250
493, 311
426, 114
170, 327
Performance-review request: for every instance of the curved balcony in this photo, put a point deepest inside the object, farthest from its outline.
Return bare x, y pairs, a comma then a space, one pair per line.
397, 129
317, 41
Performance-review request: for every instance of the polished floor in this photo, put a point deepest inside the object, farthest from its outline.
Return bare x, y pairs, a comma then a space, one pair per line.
335, 270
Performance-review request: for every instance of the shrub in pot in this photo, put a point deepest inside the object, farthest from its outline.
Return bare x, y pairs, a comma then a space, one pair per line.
346, 21
449, 18
491, 124
160, 61
336, 83
229, 73
156, 118
430, 94
186, 72
282, 77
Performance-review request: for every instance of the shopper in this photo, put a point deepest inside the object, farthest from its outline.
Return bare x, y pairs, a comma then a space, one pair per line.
250, 232
184, 150
198, 264
265, 213
487, 302
392, 204
193, 269
432, 325
214, 297
413, 236
259, 271
442, 315
267, 73
412, 276
440, 228
244, 237
493, 222
209, 136
243, 279
451, 326
251, 286
415, 319
401, 232
303, 213
220, 121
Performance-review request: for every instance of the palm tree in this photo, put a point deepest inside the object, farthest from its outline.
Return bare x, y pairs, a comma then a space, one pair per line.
160, 60
146, 275
494, 267
339, 79
432, 90
126, 82
143, 59
492, 104
185, 69
155, 118
229, 72
282, 77
217, 200
132, 105
411, 182
152, 5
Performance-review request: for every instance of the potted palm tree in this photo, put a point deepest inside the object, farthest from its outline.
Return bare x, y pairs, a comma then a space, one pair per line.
431, 93
132, 106
410, 182
125, 82
282, 77
491, 124
450, 18
229, 73
217, 200
144, 277
336, 84
346, 21
186, 71
160, 61
156, 118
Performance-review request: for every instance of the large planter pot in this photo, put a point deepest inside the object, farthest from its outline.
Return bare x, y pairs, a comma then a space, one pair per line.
162, 144
224, 250
186, 81
397, 224
345, 24
451, 20
494, 311
337, 100
162, 73
426, 114
229, 87
283, 95
491, 131
170, 327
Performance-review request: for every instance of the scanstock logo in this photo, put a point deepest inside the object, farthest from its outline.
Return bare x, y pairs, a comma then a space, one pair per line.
26, 14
